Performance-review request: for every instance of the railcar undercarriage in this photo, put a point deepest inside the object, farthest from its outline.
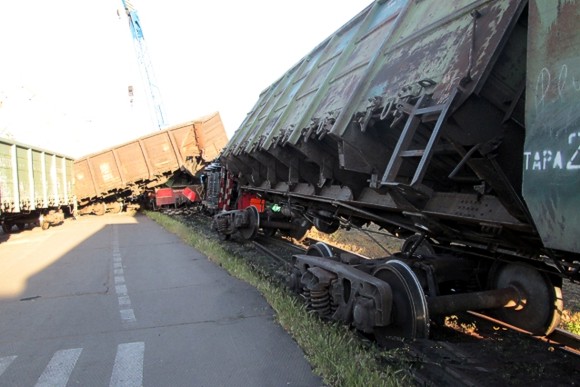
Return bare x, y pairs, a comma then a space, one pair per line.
401, 294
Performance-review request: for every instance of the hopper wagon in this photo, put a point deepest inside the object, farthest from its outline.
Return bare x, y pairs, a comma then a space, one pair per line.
453, 125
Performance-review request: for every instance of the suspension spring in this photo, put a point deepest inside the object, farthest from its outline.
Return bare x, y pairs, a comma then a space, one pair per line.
320, 302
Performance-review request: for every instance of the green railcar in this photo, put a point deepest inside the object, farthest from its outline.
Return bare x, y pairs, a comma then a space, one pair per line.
36, 185
452, 124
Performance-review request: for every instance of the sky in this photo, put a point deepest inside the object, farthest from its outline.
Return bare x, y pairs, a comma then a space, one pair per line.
66, 65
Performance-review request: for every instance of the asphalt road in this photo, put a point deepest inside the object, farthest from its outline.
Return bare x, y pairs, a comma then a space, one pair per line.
118, 301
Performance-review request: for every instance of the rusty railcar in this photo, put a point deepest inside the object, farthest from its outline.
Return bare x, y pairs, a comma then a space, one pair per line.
36, 186
454, 125
104, 180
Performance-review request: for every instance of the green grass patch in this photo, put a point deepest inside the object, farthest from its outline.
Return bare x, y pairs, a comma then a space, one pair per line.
337, 354
571, 322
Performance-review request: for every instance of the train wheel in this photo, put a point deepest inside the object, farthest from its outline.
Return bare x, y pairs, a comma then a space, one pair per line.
319, 249
251, 230
541, 302
409, 316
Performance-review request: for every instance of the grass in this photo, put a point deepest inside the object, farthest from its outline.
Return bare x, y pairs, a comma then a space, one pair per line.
571, 322
338, 355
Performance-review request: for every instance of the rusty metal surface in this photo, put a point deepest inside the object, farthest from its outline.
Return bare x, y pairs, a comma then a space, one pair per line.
32, 178
376, 54
149, 160
552, 147
419, 116
453, 46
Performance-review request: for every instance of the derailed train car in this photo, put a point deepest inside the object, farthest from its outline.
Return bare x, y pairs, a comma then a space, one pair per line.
456, 127
107, 180
36, 186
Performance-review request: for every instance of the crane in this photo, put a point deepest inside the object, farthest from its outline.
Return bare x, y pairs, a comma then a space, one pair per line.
145, 67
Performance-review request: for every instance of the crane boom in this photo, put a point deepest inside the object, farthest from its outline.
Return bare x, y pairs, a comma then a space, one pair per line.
144, 62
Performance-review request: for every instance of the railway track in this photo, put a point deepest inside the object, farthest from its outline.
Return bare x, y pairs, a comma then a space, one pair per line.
468, 349
560, 338
454, 356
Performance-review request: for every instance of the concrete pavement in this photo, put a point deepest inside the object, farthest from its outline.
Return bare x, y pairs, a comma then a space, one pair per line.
119, 301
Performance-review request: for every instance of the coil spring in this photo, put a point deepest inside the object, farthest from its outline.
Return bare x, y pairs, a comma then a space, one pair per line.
319, 301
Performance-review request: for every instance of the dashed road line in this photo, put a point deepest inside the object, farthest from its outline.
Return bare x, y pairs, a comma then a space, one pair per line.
126, 312
121, 290
124, 301
128, 315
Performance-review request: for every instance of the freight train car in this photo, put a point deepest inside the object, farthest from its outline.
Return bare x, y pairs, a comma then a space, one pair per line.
105, 180
455, 125
36, 186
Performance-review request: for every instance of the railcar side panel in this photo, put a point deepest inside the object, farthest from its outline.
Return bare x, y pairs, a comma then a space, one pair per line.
32, 179
412, 115
552, 146
7, 189
133, 164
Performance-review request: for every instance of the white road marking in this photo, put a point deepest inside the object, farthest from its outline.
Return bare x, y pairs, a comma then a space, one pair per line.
128, 315
58, 370
5, 363
121, 290
128, 368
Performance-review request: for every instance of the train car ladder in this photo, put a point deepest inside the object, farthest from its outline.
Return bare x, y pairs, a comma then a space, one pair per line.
402, 149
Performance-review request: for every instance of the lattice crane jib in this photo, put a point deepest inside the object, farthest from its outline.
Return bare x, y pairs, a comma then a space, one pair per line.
145, 66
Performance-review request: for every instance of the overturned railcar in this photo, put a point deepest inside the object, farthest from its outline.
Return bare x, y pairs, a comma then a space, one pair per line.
106, 180
454, 125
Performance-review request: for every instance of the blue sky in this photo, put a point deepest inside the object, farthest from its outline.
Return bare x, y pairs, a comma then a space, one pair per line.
66, 65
